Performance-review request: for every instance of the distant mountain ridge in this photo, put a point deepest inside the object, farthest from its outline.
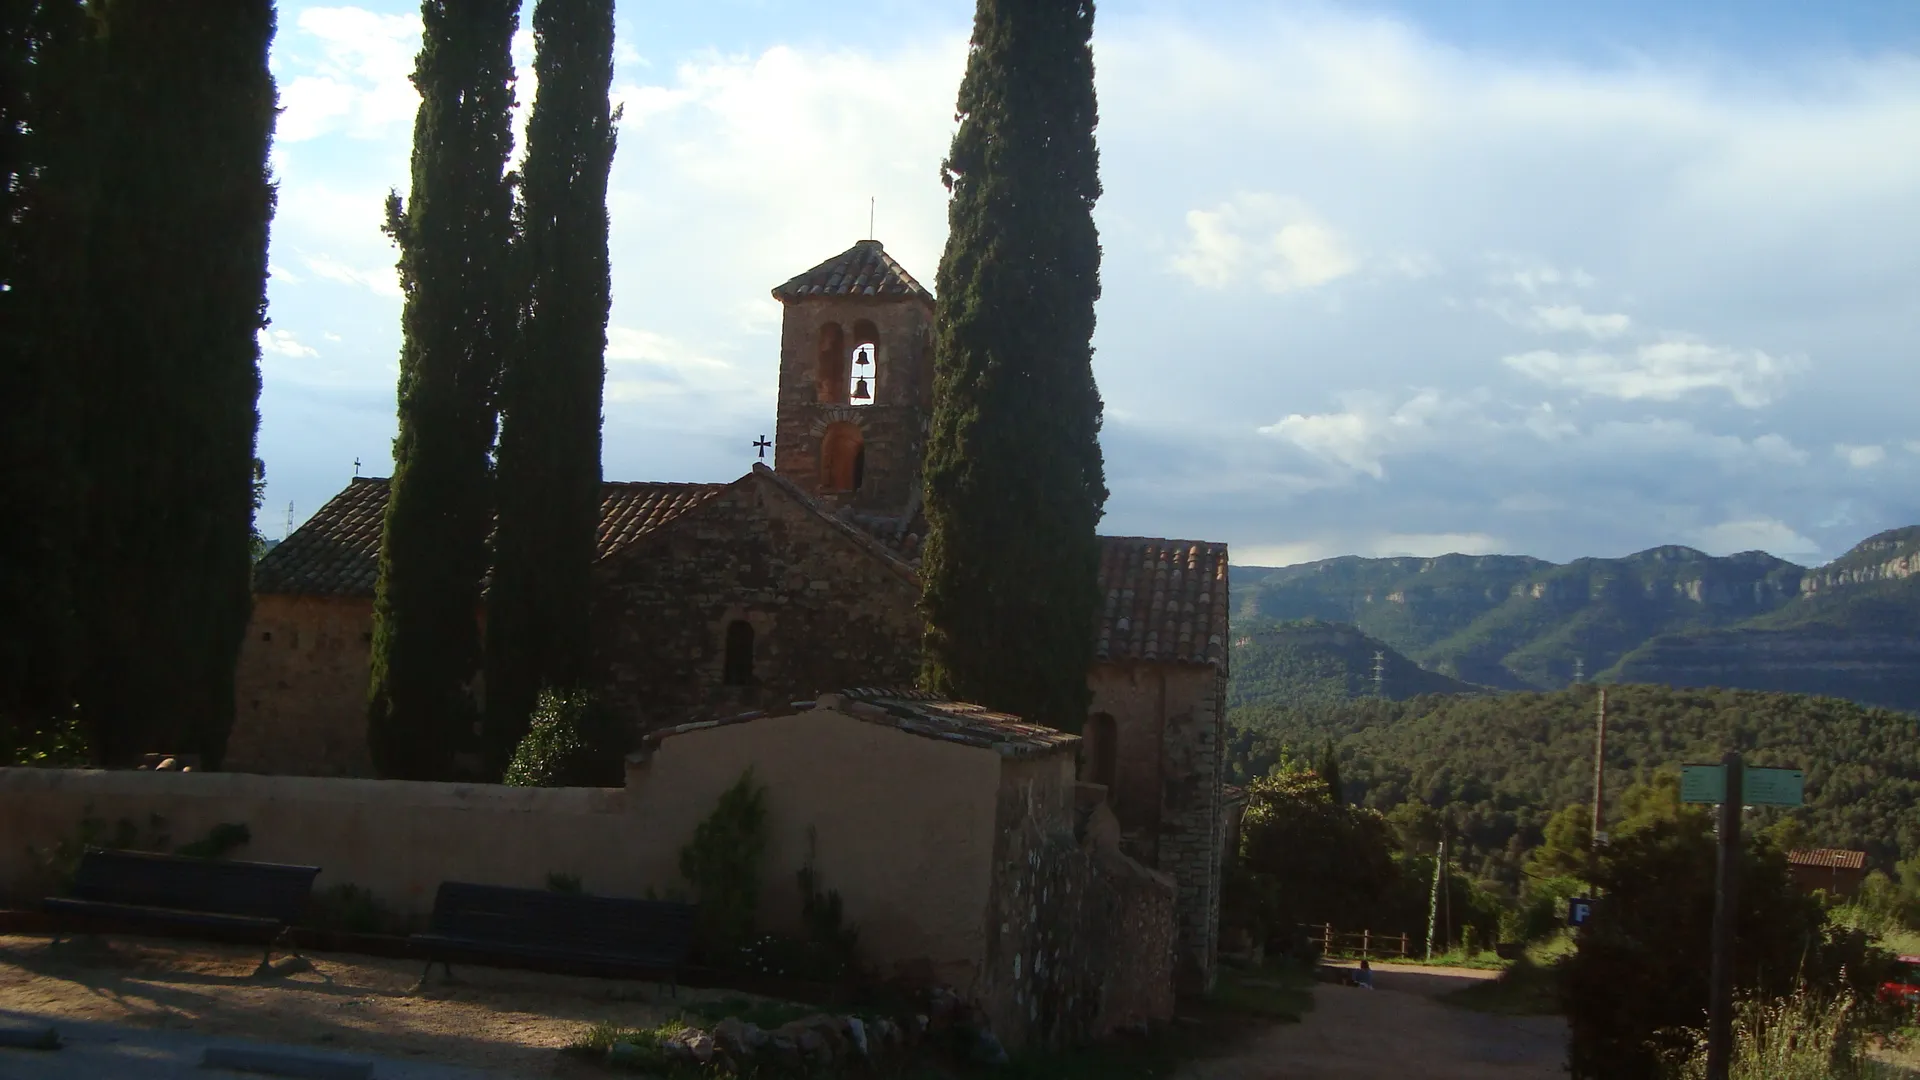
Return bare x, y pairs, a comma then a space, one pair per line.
1669, 614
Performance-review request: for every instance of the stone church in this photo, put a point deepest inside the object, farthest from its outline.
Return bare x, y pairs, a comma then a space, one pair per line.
718, 599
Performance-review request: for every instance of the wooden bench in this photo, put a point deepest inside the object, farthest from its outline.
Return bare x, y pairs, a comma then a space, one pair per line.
600, 935
226, 895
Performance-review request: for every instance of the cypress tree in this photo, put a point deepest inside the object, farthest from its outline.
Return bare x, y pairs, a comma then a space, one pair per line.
453, 233
44, 175
1329, 771
1013, 474
177, 250
548, 469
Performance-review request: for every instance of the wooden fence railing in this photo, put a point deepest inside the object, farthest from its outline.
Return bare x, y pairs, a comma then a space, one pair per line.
1360, 943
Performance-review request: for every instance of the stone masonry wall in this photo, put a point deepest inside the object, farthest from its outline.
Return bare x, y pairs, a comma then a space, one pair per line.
300, 687
1190, 831
1080, 938
826, 613
893, 427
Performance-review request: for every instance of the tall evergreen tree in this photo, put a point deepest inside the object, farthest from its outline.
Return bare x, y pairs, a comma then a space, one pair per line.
1014, 478
548, 471
177, 250
453, 233
1330, 773
44, 175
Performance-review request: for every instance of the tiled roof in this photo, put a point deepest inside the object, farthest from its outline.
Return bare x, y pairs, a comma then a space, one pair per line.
915, 713
1164, 600
337, 551
1829, 859
865, 269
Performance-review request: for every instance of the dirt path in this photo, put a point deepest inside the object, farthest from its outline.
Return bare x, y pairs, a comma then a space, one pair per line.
511, 1021
1398, 1031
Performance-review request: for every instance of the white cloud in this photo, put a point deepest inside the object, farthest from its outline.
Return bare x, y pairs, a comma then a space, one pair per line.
1662, 371
353, 74
1429, 545
1766, 534
1360, 438
1274, 241
283, 343
281, 273
1861, 457
645, 366
384, 280
1572, 317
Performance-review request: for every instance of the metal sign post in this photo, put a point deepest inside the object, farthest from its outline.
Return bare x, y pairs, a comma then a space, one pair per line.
1726, 887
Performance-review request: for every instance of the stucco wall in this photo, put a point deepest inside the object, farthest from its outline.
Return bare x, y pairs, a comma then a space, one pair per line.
904, 826
300, 688
826, 613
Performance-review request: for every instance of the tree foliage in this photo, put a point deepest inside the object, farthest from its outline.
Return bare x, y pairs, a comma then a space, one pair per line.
1013, 473
453, 234
550, 394
722, 863
1640, 972
571, 741
181, 114
1502, 765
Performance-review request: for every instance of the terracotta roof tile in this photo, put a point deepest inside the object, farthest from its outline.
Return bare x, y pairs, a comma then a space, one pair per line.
915, 713
337, 551
865, 269
1829, 858
1164, 600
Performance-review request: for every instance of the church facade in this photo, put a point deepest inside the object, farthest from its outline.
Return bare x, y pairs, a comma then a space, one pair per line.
716, 599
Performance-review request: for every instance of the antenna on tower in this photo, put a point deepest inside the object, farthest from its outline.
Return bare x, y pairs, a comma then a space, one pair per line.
1379, 670
289, 529
872, 202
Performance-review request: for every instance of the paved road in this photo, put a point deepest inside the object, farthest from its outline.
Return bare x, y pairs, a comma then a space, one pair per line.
98, 1051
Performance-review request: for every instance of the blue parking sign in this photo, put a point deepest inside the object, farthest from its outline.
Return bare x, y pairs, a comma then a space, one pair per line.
1579, 911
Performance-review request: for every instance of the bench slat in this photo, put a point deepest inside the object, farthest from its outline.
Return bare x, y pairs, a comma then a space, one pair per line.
482, 920
185, 890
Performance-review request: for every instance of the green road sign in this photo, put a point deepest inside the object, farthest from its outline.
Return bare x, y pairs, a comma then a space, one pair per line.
1758, 787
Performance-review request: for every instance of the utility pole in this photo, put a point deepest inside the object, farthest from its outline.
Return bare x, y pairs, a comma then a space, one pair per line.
1379, 669
1726, 889
1579, 669
1600, 774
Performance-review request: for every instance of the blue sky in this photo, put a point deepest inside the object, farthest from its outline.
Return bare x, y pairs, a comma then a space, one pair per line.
1559, 279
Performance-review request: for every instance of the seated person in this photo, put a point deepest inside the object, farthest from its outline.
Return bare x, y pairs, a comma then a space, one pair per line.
1364, 977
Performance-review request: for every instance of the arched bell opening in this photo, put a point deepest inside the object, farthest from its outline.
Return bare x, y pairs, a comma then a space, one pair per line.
830, 367
843, 457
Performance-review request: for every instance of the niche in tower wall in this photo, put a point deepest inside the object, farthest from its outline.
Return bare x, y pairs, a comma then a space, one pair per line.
830, 370
843, 457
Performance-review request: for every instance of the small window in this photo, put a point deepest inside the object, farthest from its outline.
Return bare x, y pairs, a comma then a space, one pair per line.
843, 457
738, 668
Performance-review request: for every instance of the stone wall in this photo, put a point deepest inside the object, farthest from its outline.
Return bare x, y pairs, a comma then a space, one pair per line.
300, 687
826, 610
1080, 938
893, 426
1170, 733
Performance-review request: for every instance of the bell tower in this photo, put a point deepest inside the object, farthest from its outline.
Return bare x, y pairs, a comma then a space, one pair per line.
856, 380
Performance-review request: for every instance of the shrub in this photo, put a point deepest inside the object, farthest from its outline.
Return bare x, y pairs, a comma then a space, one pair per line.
722, 863
570, 742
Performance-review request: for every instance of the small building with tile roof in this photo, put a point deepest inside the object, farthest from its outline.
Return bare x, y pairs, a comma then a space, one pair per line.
1836, 871
720, 598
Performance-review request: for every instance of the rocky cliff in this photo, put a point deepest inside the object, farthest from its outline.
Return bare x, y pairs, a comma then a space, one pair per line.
1670, 615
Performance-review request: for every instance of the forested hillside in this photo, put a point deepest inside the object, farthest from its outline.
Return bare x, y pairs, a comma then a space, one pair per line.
1308, 660
1501, 764
1670, 615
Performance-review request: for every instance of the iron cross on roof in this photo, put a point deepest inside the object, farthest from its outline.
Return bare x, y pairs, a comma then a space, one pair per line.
761, 444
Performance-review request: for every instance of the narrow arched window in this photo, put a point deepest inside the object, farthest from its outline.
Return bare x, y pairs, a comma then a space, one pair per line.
1103, 747
738, 668
864, 382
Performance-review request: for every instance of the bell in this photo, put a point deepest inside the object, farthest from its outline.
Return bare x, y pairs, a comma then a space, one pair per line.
860, 390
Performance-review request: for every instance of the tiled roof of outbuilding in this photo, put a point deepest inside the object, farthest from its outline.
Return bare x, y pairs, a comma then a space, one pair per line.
1163, 600
917, 713
1829, 859
865, 269
337, 551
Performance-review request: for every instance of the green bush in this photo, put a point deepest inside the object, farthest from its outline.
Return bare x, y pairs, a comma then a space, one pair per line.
722, 863
571, 741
